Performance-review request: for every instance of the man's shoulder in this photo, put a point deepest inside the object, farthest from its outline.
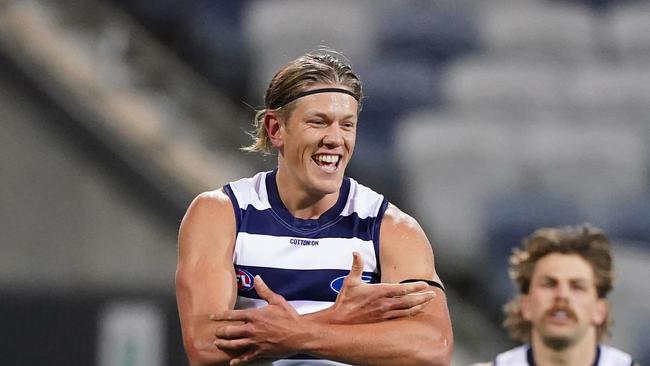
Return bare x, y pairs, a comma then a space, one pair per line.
249, 191
613, 356
513, 357
241, 192
256, 181
211, 202
396, 219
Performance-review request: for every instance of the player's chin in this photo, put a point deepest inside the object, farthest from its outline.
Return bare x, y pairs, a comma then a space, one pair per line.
328, 186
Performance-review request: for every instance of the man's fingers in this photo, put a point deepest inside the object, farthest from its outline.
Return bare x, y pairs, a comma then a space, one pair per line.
357, 266
232, 332
407, 301
416, 286
265, 292
232, 315
243, 358
401, 313
418, 298
260, 286
233, 344
401, 289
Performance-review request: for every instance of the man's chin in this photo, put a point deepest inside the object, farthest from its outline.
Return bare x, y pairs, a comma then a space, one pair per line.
330, 182
329, 186
326, 188
557, 341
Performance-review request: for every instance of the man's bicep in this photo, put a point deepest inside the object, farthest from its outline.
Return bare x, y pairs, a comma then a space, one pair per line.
205, 276
205, 269
405, 252
204, 290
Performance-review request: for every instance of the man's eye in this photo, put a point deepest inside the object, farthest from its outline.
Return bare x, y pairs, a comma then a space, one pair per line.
579, 287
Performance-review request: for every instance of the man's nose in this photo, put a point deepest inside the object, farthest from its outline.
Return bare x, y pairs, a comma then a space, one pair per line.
333, 135
562, 291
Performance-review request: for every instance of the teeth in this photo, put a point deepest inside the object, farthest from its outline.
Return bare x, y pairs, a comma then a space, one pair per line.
330, 159
560, 314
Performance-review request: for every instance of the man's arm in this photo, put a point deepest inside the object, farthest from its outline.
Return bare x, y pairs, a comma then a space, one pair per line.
407, 254
422, 339
206, 283
205, 276
359, 302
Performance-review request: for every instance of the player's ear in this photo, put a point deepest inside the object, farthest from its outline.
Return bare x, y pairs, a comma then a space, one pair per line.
273, 126
600, 315
524, 305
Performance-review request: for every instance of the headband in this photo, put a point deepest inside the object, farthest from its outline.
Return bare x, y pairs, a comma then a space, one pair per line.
317, 91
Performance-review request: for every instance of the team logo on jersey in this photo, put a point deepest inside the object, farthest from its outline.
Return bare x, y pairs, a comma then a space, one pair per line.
337, 283
244, 280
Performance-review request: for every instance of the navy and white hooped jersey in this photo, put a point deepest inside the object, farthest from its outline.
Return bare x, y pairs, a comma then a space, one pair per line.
523, 356
305, 261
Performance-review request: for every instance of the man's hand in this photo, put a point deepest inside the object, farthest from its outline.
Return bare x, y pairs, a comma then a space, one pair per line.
266, 332
359, 302
272, 331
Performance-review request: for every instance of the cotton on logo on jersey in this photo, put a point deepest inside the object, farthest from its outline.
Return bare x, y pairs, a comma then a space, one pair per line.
303, 242
244, 280
337, 283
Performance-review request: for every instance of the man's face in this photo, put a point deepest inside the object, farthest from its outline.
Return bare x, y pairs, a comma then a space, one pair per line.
562, 303
317, 140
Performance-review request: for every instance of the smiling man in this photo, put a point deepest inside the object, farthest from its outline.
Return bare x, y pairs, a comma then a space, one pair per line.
561, 316
303, 265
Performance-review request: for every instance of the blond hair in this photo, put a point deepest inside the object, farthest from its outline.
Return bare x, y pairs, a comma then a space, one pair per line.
294, 78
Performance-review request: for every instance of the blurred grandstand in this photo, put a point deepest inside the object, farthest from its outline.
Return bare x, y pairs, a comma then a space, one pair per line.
484, 119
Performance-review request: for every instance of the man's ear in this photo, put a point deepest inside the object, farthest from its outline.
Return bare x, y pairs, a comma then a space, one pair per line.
274, 129
600, 315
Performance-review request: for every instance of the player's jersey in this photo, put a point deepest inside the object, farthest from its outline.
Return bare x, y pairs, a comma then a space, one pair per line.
523, 356
305, 261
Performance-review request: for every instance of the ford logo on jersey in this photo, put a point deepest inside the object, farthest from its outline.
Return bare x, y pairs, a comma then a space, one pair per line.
337, 283
244, 280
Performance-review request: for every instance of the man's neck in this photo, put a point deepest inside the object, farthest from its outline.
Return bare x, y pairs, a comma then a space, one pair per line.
299, 201
580, 353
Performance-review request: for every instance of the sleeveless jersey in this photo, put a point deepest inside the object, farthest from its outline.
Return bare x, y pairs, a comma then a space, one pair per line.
305, 261
523, 356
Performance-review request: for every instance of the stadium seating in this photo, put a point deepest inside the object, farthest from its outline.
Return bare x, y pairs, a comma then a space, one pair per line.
452, 168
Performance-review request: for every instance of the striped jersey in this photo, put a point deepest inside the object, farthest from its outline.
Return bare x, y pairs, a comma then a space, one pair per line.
304, 260
523, 356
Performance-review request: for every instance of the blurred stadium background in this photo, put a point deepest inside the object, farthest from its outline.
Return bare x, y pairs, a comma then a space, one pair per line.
485, 119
